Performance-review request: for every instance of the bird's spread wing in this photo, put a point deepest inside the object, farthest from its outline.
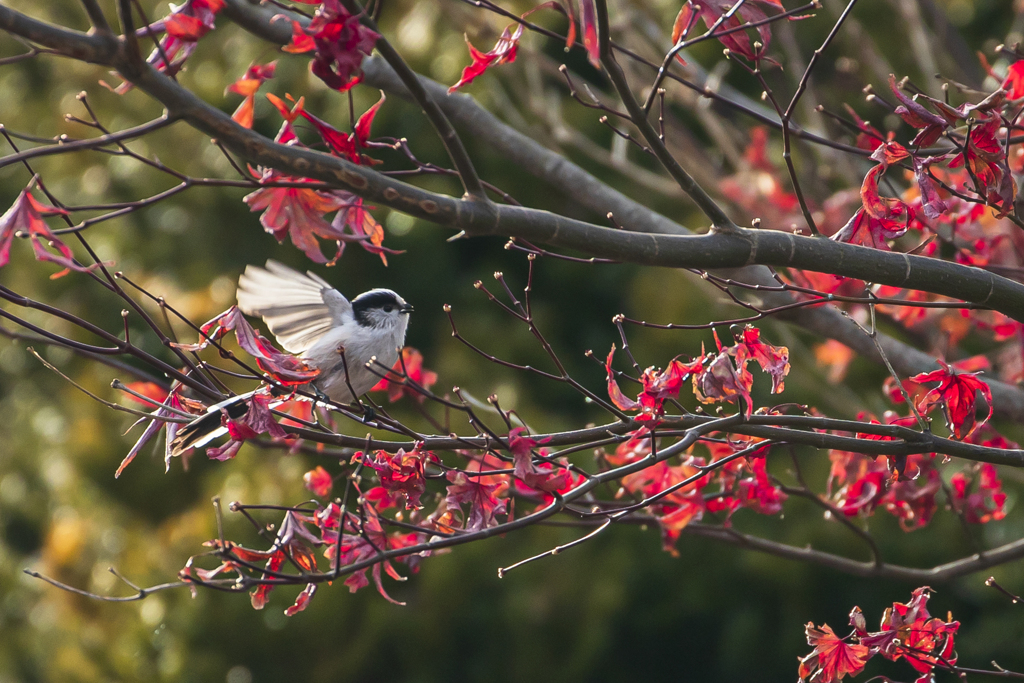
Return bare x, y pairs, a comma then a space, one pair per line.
297, 308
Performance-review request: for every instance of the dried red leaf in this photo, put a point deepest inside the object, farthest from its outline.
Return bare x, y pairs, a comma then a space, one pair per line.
957, 395
869, 232
298, 213
503, 52
916, 115
832, 657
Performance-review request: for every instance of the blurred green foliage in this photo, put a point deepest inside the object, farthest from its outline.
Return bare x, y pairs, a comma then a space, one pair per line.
617, 608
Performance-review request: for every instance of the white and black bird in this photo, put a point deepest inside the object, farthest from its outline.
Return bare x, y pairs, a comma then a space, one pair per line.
313, 320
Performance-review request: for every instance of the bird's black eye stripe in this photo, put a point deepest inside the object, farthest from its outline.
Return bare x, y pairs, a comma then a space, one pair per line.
383, 299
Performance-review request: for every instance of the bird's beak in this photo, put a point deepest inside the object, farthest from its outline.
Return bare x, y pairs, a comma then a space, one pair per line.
407, 308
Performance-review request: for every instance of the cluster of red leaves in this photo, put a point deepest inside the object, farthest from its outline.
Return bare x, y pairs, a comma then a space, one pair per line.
25, 219
907, 631
184, 27
986, 503
866, 483
401, 477
283, 367
407, 377
717, 378
299, 535
299, 213
684, 492
339, 40
712, 11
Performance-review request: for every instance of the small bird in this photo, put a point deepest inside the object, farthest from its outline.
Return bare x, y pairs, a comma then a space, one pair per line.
313, 320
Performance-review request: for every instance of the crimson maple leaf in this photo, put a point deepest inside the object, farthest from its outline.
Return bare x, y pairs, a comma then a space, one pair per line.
832, 657
362, 544
484, 499
503, 52
340, 41
347, 145
401, 476
957, 395
985, 157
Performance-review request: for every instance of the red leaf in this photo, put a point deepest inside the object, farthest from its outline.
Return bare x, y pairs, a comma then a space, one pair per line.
364, 544
341, 43
301, 41
503, 52
588, 27
614, 393
876, 206
302, 601
720, 382
986, 504
246, 86
711, 11
917, 116
1014, 83
832, 657
319, 481
355, 224
297, 213
773, 359
956, 394
538, 476
408, 368
869, 232
986, 160
25, 219
185, 26
401, 474
484, 499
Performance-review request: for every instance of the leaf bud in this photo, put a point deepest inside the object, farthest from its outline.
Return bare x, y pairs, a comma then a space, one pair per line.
478, 284
498, 275
447, 308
